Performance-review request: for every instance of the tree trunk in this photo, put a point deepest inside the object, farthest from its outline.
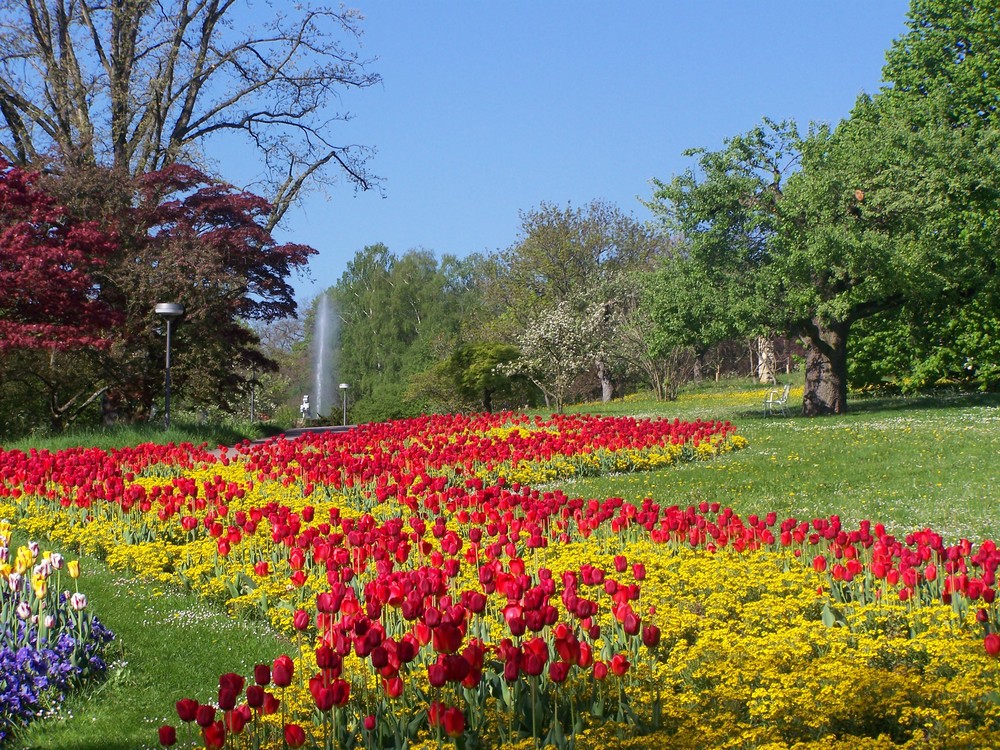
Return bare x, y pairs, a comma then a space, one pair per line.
766, 366
607, 386
826, 368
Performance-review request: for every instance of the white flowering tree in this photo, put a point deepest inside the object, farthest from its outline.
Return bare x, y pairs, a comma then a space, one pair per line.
557, 346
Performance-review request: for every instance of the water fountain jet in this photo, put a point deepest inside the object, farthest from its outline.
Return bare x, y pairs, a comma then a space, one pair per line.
323, 354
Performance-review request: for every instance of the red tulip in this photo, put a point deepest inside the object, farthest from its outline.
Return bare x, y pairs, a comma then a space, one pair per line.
255, 696
205, 716
262, 674
300, 620
168, 735
214, 736
454, 722
232, 681
295, 736
619, 664
227, 699
327, 602
447, 638
341, 692
437, 675
282, 671
393, 687
325, 657
237, 719
651, 636
187, 709
631, 622
992, 644
558, 671
435, 712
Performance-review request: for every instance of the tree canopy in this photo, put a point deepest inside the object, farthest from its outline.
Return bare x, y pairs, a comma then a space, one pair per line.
895, 206
138, 85
48, 266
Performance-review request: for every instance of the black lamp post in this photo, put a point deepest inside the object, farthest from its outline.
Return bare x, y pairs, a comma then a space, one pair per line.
170, 311
343, 399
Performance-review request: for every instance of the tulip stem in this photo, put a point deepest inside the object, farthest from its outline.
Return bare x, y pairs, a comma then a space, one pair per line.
534, 713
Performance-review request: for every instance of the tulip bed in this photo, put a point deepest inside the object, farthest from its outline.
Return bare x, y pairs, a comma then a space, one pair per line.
436, 592
50, 642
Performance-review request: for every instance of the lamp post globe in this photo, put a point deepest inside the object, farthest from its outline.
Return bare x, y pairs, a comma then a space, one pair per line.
343, 400
169, 311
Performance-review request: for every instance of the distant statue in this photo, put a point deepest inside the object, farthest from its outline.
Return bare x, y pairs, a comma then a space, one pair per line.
304, 408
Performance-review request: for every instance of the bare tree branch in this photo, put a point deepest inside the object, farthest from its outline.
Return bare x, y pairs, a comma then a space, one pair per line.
141, 84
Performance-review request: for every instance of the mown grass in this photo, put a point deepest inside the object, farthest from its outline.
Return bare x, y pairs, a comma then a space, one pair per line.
908, 462
125, 435
169, 645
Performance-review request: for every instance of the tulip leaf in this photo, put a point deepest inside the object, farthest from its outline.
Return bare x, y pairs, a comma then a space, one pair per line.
597, 709
833, 616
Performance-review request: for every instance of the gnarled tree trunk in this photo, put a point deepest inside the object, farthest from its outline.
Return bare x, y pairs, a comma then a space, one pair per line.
826, 368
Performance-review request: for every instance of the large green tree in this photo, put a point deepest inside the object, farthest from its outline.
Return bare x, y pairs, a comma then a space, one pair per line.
725, 215
944, 73
896, 206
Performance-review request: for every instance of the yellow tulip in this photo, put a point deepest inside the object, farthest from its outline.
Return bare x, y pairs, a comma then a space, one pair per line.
73, 568
23, 560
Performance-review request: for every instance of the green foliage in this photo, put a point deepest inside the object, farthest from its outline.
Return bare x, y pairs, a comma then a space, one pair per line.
726, 213
951, 52
398, 317
571, 254
685, 307
919, 347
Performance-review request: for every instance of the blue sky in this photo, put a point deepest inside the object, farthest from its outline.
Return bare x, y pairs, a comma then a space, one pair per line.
488, 108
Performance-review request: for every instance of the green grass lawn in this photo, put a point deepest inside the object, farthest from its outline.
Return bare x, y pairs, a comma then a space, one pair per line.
119, 436
909, 463
169, 645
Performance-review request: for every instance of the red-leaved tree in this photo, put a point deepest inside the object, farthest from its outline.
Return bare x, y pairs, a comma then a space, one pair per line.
49, 297
184, 237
